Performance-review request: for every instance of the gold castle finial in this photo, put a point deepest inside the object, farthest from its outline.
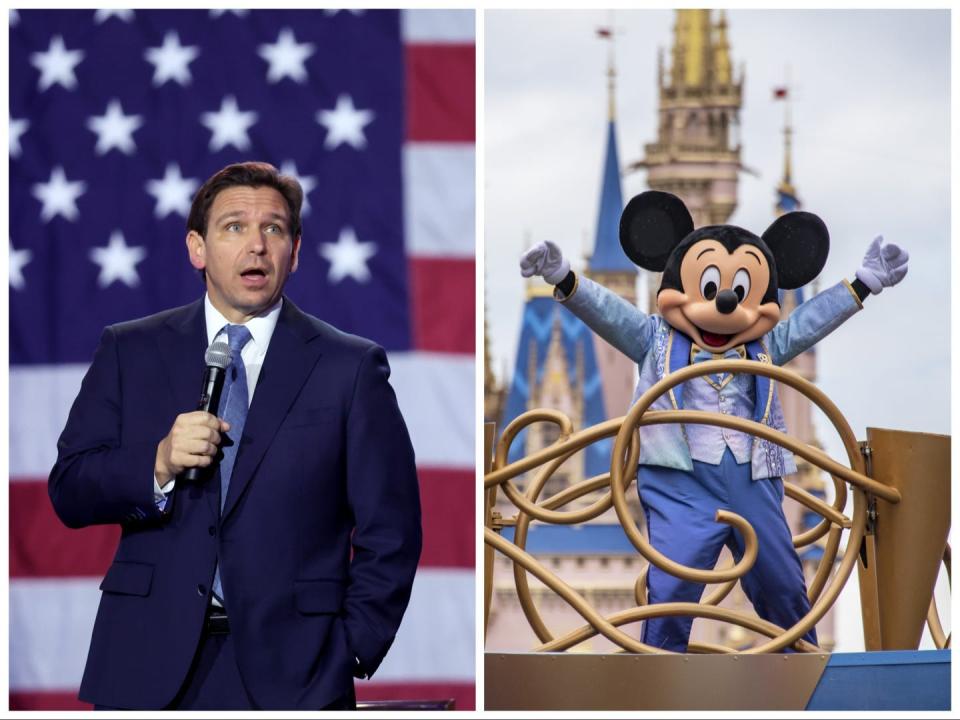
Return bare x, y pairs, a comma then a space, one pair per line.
721, 52
691, 48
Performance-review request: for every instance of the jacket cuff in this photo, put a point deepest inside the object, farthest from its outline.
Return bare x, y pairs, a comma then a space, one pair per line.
368, 651
558, 291
854, 293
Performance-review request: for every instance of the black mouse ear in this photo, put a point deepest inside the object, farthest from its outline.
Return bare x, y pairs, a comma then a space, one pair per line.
800, 244
651, 226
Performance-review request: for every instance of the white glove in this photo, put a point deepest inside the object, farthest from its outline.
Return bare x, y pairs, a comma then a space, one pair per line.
547, 260
882, 266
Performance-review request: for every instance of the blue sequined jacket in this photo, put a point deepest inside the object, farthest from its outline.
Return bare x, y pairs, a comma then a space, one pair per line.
653, 344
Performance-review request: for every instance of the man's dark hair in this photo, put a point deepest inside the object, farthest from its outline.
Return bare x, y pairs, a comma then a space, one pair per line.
246, 174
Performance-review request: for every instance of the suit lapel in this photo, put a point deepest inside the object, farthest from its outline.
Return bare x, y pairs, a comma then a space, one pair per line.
182, 347
289, 361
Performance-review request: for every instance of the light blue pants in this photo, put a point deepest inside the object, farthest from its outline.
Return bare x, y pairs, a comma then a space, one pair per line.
680, 507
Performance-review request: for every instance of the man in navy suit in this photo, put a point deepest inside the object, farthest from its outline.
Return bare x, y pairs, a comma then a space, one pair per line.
284, 571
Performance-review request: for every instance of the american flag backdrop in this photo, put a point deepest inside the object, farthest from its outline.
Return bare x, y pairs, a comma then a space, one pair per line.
116, 117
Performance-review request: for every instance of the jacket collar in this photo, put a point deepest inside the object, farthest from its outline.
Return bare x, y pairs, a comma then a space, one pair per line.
679, 353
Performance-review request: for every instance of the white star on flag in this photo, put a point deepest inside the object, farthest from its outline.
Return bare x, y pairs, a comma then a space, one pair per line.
114, 129
118, 261
173, 192
345, 124
229, 125
101, 16
307, 182
219, 12
286, 57
171, 61
18, 260
18, 126
56, 64
14, 18
348, 257
59, 195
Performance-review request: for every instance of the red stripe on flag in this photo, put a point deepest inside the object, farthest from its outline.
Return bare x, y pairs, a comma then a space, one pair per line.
463, 694
447, 505
441, 100
47, 700
42, 546
443, 295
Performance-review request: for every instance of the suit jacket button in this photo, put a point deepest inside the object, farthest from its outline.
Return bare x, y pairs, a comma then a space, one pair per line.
212, 530
202, 590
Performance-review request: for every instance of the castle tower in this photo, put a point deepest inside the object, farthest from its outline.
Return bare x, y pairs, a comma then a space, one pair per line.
494, 391
556, 367
697, 152
797, 410
608, 265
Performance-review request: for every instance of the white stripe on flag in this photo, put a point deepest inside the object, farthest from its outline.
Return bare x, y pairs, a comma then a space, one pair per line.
435, 641
40, 399
51, 622
438, 26
50, 626
439, 216
429, 386
435, 396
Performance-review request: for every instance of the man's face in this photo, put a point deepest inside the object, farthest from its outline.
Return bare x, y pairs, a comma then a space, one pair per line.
248, 251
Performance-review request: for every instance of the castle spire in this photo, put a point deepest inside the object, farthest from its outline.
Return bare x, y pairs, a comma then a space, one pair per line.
787, 199
691, 49
721, 52
607, 253
611, 79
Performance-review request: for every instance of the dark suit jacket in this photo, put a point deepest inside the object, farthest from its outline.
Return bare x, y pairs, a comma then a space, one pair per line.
319, 539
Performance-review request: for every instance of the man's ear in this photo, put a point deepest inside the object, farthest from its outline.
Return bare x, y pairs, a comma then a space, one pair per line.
651, 226
296, 254
196, 247
800, 243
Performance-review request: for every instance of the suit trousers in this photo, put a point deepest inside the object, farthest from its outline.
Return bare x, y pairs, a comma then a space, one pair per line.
214, 683
680, 506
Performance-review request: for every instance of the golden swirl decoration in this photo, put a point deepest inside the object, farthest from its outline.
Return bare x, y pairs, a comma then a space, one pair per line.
828, 580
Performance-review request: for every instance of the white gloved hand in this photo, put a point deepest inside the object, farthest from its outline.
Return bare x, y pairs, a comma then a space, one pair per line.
883, 265
547, 260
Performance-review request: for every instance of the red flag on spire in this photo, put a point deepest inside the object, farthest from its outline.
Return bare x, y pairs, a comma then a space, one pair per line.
779, 93
604, 32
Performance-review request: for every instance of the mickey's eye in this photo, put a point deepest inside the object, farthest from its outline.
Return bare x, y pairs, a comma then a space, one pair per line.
710, 282
741, 284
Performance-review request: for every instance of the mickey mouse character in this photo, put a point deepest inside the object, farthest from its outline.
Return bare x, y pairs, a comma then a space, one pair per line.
718, 299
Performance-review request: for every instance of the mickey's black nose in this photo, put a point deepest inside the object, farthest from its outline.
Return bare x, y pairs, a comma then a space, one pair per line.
726, 301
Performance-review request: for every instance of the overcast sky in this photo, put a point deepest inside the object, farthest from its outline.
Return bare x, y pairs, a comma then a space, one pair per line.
871, 112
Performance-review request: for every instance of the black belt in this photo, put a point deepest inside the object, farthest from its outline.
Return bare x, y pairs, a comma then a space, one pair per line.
216, 622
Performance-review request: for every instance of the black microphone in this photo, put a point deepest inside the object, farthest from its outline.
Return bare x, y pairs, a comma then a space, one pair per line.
218, 360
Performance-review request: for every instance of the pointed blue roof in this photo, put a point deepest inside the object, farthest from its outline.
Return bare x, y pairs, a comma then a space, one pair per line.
539, 316
608, 256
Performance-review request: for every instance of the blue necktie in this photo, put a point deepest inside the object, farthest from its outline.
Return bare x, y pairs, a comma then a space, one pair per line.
233, 409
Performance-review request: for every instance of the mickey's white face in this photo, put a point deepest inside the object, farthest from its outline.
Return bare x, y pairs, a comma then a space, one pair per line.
720, 306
